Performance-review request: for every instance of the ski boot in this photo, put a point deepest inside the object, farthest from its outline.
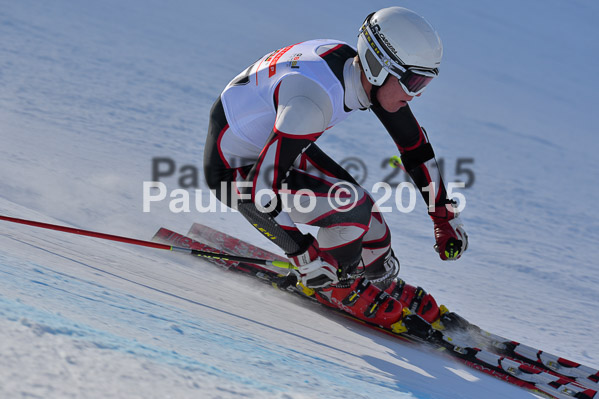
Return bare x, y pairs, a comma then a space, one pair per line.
383, 271
415, 299
364, 300
421, 313
400, 308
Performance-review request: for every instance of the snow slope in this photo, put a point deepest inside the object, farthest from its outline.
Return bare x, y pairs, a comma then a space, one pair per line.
93, 91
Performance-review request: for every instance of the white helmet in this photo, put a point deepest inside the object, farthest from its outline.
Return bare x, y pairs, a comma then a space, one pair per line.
400, 42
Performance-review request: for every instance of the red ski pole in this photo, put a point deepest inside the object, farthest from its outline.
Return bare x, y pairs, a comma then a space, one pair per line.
127, 240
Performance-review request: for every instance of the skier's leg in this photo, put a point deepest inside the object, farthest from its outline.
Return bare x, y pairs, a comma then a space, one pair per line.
216, 168
343, 220
220, 175
363, 234
378, 260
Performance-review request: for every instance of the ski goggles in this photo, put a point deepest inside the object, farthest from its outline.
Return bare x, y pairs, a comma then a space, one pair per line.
413, 79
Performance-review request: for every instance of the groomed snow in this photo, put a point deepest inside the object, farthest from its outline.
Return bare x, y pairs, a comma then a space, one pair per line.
93, 91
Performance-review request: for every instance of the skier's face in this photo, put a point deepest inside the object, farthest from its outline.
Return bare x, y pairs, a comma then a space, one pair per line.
391, 95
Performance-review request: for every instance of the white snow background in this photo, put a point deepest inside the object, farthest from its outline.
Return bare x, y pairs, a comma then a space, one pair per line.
91, 92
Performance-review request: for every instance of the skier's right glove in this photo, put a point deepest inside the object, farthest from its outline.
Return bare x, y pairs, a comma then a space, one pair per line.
450, 236
315, 272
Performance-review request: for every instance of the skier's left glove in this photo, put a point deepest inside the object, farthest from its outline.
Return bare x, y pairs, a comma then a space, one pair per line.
451, 239
315, 272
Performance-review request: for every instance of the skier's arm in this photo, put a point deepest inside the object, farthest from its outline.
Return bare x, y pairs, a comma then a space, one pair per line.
416, 152
304, 111
419, 161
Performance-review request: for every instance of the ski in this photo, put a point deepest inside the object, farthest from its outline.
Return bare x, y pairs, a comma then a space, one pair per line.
227, 243
536, 377
583, 375
452, 334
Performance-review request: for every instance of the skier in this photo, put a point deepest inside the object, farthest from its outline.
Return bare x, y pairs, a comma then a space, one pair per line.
262, 134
